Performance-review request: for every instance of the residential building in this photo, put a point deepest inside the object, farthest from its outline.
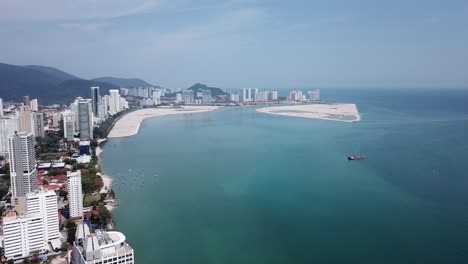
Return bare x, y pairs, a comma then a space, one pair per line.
274, 95
45, 204
34, 105
38, 124
23, 235
22, 156
26, 101
1, 107
188, 96
8, 126
85, 119
246, 95
25, 119
69, 125
234, 97
95, 98
75, 195
206, 97
101, 247
179, 98
314, 96
114, 102
56, 119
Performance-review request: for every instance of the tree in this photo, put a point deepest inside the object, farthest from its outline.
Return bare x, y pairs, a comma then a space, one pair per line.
64, 246
45, 182
63, 193
10, 261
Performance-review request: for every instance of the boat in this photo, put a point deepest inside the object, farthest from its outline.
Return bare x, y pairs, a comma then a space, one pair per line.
356, 157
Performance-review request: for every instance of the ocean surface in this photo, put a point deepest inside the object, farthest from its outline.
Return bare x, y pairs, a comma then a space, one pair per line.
238, 186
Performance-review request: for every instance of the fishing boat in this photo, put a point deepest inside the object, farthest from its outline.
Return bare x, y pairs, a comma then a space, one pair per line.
356, 157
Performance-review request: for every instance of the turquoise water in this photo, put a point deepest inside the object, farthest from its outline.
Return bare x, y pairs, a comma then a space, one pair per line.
238, 186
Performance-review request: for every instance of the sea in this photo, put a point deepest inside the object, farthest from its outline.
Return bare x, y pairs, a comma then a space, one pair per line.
239, 186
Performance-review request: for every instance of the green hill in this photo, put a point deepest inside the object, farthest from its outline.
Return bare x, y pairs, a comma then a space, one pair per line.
124, 82
214, 91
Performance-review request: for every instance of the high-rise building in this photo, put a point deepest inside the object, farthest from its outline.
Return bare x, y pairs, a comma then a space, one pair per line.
114, 102
246, 95
23, 235
38, 124
314, 96
101, 247
75, 195
1, 107
188, 96
8, 126
74, 109
234, 97
69, 125
22, 163
34, 105
206, 97
95, 98
45, 204
85, 119
25, 119
26, 101
274, 95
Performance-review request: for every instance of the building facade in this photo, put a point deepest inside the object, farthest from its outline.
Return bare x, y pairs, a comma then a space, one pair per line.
8, 126
38, 124
23, 235
69, 125
25, 121
44, 203
95, 98
75, 195
22, 156
85, 119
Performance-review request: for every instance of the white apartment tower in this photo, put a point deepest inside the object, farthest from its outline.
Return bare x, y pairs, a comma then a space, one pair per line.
75, 195
34, 105
8, 126
23, 235
25, 123
114, 102
85, 119
22, 163
45, 204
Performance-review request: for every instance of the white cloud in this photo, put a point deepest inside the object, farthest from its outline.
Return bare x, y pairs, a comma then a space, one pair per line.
54, 10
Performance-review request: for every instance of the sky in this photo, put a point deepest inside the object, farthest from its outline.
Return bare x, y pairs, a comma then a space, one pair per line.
244, 43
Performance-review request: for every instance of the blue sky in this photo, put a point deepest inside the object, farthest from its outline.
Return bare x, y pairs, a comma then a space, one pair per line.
244, 43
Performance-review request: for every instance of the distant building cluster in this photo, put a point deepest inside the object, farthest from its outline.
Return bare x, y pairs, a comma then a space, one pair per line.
298, 96
254, 95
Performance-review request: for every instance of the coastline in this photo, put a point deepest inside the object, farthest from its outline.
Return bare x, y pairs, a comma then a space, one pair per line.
129, 124
332, 112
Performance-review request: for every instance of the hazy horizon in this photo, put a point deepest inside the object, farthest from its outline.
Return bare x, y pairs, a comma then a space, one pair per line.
244, 43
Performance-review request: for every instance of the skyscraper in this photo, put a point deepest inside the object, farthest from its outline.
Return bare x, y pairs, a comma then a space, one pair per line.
95, 98
75, 195
1, 107
34, 105
25, 119
22, 163
38, 123
85, 119
69, 125
26, 100
45, 204
114, 102
8, 126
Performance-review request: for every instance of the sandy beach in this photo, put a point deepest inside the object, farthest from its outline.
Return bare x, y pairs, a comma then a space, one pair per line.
130, 124
334, 112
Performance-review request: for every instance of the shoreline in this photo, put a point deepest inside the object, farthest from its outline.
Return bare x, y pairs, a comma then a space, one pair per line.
130, 124
329, 112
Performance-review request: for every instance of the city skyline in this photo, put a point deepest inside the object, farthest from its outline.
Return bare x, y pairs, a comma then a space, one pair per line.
235, 44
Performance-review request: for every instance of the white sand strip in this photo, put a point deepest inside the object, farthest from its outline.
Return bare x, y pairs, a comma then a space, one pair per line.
334, 112
129, 124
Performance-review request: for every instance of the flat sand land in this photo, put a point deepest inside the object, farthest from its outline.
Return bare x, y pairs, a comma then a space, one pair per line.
129, 124
335, 112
